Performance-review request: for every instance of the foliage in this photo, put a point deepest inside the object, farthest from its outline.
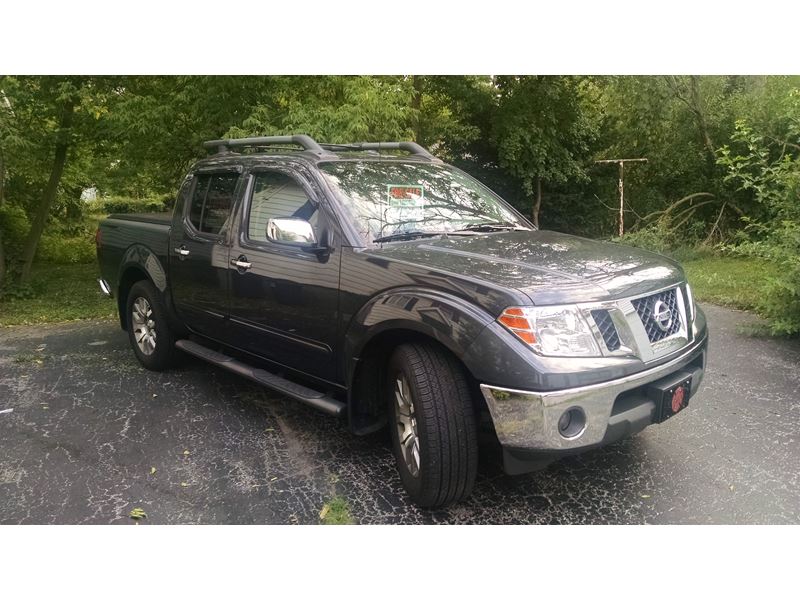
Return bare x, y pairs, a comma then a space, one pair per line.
738, 282
61, 250
542, 132
334, 108
532, 139
57, 293
774, 183
126, 205
14, 226
336, 512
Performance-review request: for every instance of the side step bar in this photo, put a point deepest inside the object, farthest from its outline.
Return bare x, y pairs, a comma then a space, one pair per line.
314, 398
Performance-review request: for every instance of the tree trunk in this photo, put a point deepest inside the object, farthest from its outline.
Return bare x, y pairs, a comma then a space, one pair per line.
2, 261
537, 203
43, 210
2, 178
694, 88
416, 105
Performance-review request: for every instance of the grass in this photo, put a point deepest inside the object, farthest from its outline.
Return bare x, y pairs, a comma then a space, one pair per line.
336, 512
736, 282
58, 293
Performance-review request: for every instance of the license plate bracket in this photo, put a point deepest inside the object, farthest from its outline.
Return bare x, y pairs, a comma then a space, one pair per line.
671, 395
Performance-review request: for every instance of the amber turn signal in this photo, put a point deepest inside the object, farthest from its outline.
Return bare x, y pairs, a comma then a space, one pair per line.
516, 321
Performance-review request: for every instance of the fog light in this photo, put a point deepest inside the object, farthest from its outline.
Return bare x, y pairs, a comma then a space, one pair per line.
572, 423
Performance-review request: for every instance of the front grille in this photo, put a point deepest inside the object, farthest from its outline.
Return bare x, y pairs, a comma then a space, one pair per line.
645, 307
607, 329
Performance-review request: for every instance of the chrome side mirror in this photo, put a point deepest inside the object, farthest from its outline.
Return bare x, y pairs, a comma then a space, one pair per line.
290, 230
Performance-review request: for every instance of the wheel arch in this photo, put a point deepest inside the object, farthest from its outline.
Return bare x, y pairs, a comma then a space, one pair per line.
403, 316
129, 276
140, 263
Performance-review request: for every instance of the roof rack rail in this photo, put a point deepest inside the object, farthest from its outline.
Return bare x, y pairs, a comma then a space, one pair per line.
310, 145
410, 147
306, 142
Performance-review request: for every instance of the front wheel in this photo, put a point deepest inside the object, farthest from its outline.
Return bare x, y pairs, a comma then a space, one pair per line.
152, 340
432, 423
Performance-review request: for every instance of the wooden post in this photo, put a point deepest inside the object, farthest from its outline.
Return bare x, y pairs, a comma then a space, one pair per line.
621, 186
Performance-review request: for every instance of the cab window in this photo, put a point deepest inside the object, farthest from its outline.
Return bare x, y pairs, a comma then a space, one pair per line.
211, 202
277, 195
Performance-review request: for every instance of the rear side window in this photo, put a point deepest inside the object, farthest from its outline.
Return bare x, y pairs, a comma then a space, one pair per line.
277, 195
211, 202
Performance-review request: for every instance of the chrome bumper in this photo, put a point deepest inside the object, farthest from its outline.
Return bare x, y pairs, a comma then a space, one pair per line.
529, 420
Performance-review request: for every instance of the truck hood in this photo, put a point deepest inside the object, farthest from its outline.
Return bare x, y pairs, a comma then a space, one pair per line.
548, 267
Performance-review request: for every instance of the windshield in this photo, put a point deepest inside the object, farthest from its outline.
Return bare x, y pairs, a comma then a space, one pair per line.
391, 198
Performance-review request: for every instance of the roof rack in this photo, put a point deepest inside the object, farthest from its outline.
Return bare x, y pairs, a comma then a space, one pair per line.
410, 147
306, 142
319, 150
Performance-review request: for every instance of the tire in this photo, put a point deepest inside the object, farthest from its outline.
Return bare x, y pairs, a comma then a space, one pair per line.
439, 416
152, 340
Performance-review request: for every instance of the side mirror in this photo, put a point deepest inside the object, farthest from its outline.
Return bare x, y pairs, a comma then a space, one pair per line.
290, 230
299, 233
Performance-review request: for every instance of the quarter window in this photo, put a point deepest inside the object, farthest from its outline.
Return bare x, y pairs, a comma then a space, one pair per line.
211, 202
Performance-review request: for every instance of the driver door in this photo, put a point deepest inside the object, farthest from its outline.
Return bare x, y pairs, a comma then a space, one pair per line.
284, 304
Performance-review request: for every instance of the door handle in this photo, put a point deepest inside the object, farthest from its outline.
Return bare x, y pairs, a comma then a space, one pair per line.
241, 263
182, 251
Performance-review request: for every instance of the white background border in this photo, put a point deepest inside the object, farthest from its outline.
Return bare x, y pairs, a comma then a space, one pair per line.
420, 37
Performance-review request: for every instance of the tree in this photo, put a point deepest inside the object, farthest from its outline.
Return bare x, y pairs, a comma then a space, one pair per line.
64, 101
542, 132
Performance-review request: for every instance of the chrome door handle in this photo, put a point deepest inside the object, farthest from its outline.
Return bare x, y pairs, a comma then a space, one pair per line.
182, 251
241, 263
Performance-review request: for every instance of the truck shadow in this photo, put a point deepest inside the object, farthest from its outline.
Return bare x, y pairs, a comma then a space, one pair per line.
606, 485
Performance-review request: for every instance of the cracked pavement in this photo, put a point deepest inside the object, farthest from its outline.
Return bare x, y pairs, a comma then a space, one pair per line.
92, 436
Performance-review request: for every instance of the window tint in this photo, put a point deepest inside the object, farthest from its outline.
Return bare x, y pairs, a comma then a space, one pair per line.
198, 197
277, 195
212, 201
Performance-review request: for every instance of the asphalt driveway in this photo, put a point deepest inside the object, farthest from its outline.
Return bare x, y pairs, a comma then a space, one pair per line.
92, 435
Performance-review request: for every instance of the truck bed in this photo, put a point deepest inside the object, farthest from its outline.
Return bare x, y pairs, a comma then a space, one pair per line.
138, 233
162, 218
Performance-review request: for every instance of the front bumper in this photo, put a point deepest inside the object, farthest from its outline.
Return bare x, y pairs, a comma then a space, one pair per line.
527, 421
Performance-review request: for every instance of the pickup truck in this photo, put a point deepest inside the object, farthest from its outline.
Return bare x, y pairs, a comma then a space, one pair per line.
376, 283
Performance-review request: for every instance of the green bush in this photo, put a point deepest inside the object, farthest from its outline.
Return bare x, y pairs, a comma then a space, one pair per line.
681, 245
14, 227
66, 250
775, 184
120, 204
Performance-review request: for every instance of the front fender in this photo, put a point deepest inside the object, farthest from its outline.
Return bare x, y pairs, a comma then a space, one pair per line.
450, 320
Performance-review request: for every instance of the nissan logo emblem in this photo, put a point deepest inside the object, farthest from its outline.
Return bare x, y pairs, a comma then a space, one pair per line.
662, 315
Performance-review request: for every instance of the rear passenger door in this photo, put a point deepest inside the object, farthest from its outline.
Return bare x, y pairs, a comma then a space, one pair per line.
199, 247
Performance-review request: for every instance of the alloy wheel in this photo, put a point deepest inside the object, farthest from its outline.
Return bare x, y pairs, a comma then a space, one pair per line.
144, 327
406, 422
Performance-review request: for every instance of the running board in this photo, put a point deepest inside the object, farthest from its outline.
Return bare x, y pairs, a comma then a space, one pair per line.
313, 398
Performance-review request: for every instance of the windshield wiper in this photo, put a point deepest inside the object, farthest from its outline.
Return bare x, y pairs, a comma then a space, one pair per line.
495, 226
412, 235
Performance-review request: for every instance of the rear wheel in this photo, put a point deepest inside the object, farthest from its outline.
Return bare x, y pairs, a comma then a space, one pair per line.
432, 424
152, 340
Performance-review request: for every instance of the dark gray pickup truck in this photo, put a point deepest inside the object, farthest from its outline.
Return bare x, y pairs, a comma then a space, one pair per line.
375, 282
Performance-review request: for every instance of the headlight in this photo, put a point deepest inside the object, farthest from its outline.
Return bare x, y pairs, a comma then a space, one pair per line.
551, 330
690, 301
